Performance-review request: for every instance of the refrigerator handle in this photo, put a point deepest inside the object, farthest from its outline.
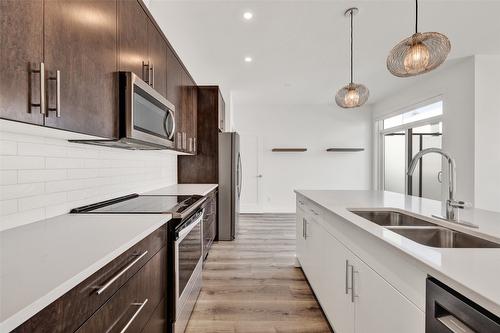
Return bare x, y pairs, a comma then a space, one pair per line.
240, 175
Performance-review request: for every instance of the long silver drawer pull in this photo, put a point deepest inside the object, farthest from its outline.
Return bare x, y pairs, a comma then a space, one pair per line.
136, 313
41, 71
347, 277
120, 273
353, 291
454, 324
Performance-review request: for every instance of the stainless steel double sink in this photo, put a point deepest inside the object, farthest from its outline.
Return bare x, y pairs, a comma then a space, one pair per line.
424, 232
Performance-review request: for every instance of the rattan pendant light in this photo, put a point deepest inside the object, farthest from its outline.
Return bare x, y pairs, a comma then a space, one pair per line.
352, 95
419, 53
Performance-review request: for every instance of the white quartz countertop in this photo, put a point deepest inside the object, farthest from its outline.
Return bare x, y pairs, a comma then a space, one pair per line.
41, 261
472, 271
184, 189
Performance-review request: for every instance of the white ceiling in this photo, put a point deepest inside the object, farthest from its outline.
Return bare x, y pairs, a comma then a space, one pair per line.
300, 49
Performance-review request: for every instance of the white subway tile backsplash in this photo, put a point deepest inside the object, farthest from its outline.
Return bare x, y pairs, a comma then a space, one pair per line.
44, 177
8, 148
36, 149
63, 163
8, 177
21, 162
20, 190
43, 200
8, 207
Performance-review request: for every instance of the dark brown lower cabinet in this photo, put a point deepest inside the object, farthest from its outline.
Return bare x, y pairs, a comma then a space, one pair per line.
158, 322
209, 222
131, 307
138, 274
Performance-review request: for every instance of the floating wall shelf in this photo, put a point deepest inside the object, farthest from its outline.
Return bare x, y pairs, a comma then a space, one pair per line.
289, 150
344, 149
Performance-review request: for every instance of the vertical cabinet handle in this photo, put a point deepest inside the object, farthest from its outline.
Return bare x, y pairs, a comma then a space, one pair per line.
184, 141
145, 72
304, 228
347, 277
152, 76
136, 313
41, 71
353, 290
57, 109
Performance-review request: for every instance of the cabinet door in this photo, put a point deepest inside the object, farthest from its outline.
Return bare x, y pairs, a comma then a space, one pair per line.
334, 293
157, 60
133, 38
174, 93
381, 308
300, 242
222, 113
21, 40
189, 108
313, 252
80, 42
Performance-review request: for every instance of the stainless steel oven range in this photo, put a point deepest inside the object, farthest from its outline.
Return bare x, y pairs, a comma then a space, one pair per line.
185, 241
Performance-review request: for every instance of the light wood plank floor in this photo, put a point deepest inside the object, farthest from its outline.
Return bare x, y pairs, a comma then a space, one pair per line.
250, 285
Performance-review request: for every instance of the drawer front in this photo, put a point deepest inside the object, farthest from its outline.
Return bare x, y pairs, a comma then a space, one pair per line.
131, 307
72, 309
209, 222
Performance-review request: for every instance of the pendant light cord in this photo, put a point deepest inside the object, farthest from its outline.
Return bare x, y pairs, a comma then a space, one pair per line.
351, 45
416, 16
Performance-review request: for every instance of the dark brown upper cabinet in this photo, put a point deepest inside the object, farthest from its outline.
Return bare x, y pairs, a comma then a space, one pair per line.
133, 39
142, 49
157, 60
80, 43
21, 51
174, 95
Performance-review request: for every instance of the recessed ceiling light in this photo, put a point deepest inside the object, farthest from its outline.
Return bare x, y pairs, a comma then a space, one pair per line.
248, 16
248, 59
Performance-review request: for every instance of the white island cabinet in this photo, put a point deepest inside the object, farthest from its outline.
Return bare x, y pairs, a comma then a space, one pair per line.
354, 297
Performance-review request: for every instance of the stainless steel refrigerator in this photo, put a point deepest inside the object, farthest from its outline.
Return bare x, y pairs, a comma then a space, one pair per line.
229, 184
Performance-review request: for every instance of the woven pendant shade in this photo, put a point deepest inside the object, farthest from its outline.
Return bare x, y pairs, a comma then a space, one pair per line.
352, 95
419, 53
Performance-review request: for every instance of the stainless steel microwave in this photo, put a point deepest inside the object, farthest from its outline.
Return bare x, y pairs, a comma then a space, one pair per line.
146, 119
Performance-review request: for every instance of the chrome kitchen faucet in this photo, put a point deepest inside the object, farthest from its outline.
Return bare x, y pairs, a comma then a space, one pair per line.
452, 205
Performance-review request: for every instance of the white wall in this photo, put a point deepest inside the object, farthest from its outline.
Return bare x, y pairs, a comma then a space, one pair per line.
41, 177
455, 83
487, 136
315, 127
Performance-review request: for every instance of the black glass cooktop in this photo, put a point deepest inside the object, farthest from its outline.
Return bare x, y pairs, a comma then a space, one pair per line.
177, 205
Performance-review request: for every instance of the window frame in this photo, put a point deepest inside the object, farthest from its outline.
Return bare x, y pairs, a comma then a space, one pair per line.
381, 132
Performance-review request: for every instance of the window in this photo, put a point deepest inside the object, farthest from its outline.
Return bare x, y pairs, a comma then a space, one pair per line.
403, 136
428, 111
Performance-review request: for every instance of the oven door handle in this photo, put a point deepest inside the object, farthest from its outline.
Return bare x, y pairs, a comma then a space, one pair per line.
184, 232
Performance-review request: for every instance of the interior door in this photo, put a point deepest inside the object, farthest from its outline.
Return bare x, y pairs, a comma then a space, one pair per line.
252, 177
80, 42
21, 51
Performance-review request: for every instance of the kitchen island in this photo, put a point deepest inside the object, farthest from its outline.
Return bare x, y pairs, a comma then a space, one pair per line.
347, 256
